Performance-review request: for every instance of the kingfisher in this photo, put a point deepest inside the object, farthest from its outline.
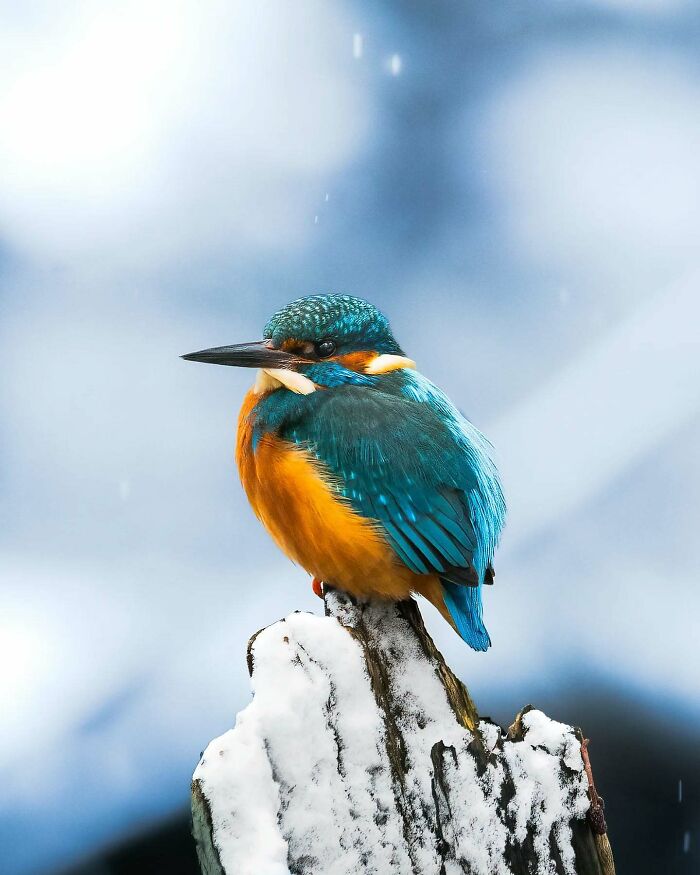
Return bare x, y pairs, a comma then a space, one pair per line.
361, 469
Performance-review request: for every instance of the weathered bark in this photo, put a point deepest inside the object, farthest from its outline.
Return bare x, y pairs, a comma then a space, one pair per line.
362, 752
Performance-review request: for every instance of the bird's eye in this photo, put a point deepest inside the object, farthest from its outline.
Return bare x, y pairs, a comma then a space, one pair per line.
324, 348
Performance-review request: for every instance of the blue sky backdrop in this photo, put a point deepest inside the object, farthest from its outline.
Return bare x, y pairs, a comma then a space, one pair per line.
516, 185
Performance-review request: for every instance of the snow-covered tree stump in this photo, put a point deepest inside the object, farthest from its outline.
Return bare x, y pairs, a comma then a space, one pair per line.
361, 752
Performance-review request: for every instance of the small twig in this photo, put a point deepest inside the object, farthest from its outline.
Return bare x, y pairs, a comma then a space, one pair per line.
596, 813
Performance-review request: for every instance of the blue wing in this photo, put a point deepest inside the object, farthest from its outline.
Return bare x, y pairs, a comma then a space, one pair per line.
417, 467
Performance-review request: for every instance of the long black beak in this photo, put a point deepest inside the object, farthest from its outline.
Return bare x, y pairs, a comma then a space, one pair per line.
246, 355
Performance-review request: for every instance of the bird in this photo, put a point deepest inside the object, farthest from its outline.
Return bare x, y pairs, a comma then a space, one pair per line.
362, 470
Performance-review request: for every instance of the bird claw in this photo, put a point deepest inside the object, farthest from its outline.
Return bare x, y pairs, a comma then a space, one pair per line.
317, 587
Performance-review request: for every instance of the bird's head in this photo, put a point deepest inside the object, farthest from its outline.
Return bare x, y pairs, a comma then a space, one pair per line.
320, 340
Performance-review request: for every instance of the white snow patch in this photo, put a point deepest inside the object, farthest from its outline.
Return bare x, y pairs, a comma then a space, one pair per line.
316, 718
305, 779
490, 732
235, 771
425, 717
542, 798
556, 738
476, 830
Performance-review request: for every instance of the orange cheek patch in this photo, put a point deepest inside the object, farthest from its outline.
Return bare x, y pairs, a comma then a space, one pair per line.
356, 361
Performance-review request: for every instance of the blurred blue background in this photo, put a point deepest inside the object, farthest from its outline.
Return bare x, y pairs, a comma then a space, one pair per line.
516, 185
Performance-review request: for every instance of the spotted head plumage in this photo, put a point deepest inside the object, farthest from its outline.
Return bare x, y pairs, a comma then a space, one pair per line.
351, 323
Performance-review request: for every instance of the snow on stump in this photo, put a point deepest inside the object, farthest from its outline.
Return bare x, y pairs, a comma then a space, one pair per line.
361, 752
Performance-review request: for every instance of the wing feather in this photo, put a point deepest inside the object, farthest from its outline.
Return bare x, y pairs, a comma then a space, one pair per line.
398, 462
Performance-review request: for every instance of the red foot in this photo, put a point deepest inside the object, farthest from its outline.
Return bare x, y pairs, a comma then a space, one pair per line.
317, 587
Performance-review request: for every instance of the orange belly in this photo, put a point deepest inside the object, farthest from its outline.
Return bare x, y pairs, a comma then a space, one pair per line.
301, 507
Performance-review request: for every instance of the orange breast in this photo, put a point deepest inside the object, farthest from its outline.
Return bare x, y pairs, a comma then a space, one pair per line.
299, 504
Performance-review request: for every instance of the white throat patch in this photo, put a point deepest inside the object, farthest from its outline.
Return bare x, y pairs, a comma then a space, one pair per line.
268, 379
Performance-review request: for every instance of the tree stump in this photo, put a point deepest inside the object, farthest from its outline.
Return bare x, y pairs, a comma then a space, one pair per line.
362, 752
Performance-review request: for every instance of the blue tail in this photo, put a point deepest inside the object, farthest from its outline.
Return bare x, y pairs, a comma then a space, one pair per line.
464, 605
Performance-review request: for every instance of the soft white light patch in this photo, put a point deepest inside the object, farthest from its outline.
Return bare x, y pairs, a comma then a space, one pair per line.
394, 64
44, 637
148, 129
601, 414
357, 46
77, 106
595, 154
23, 647
641, 7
